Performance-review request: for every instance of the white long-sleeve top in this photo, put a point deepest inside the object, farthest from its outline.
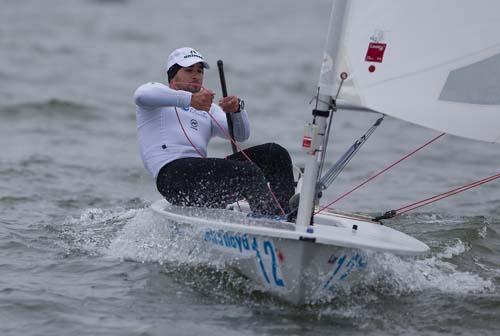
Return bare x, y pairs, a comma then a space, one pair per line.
161, 138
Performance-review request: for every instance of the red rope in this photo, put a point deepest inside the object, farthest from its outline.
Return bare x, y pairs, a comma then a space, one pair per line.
187, 137
445, 194
381, 172
230, 138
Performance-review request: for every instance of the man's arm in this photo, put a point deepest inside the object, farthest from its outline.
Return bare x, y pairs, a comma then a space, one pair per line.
153, 95
241, 126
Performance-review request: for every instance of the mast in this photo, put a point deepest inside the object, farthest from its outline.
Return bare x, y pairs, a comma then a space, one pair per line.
313, 140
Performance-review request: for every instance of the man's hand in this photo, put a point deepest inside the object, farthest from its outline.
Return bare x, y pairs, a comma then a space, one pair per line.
202, 100
229, 104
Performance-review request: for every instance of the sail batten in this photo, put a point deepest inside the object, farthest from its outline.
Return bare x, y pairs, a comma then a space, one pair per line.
432, 63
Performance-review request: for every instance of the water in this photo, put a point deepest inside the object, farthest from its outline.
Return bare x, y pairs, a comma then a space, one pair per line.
80, 253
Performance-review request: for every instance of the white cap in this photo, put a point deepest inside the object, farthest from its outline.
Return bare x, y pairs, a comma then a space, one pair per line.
186, 57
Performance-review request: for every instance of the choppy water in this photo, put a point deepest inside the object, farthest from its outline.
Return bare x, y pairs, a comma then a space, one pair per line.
79, 251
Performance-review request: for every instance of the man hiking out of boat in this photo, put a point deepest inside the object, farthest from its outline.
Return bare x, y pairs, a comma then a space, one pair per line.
175, 123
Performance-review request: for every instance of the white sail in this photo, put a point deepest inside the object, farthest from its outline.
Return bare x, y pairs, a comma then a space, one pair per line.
435, 63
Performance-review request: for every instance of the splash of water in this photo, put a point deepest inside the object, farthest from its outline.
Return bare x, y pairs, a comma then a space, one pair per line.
401, 277
92, 232
137, 235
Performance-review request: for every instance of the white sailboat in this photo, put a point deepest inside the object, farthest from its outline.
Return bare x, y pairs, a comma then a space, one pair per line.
432, 63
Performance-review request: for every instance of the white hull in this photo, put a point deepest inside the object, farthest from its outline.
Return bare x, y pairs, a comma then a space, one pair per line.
296, 266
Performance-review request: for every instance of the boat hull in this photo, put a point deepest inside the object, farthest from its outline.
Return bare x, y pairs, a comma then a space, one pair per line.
297, 271
296, 267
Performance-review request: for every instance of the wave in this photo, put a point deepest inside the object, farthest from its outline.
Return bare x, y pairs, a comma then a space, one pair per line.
435, 273
92, 232
11, 200
51, 108
136, 235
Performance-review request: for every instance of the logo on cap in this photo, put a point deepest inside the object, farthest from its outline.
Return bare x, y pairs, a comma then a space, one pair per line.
193, 53
185, 57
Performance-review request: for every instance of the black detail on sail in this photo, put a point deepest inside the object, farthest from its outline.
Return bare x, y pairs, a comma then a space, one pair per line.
477, 83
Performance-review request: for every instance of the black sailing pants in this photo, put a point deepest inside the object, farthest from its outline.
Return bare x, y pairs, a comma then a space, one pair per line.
214, 182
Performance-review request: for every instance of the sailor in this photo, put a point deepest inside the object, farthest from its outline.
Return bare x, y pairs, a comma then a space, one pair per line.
175, 123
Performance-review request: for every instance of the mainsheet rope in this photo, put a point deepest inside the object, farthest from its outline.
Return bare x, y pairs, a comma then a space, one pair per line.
380, 173
418, 204
230, 138
415, 205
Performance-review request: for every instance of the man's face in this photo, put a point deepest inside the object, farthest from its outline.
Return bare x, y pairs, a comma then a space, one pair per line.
189, 78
